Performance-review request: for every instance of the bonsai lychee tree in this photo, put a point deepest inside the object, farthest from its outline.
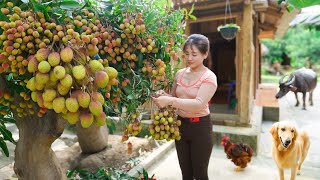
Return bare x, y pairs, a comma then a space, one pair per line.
68, 62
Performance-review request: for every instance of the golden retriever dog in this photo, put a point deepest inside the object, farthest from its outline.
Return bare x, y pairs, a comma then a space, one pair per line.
290, 147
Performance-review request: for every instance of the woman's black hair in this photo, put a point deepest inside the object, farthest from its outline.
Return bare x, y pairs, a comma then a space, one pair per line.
198, 40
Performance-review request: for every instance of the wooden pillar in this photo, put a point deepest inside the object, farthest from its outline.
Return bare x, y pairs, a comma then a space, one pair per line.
238, 64
256, 55
187, 30
246, 35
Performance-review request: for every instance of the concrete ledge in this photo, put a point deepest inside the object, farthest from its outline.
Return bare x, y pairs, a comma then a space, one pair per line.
270, 114
153, 158
248, 135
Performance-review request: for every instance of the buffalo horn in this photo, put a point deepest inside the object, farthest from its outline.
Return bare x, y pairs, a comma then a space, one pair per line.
291, 79
281, 80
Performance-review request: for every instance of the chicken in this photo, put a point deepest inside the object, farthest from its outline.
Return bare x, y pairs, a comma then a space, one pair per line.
240, 154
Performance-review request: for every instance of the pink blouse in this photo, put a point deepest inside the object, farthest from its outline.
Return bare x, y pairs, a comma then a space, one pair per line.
193, 99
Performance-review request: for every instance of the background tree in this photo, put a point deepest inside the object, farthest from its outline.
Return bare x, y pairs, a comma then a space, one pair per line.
299, 43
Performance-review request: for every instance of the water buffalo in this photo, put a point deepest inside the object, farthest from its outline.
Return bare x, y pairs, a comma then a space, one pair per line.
302, 80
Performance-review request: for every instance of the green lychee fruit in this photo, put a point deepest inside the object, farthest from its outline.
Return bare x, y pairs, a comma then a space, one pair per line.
59, 104
52, 77
34, 96
83, 99
101, 119
96, 96
49, 95
44, 67
40, 100
72, 117
86, 119
95, 108
95, 66
48, 104
51, 84
112, 72
93, 52
72, 104
54, 59
66, 54
42, 78
42, 54
67, 80
33, 65
101, 79
63, 90
59, 72
39, 86
31, 84
79, 72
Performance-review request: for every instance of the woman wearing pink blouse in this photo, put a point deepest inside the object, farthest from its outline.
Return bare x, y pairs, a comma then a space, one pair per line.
192, 90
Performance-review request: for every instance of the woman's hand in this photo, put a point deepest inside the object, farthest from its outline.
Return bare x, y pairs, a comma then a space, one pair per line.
163, 101
162, 93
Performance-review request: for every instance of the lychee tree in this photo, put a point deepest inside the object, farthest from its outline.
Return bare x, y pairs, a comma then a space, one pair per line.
70, 62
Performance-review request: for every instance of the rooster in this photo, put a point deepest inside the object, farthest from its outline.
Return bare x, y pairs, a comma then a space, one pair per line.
240, 154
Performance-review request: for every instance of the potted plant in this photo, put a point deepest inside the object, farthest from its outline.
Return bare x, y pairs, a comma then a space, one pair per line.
144, 175
228, 31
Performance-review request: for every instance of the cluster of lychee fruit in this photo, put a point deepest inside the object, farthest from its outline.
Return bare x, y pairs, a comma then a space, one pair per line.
165, 124
133, 128
5, 100
69, 83
22, 108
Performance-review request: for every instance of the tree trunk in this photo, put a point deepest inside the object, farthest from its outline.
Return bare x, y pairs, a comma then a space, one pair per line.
34, 158
93, 139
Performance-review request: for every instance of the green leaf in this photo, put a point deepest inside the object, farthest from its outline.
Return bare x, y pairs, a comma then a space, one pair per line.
37, 6
290, 7
191, 10
130, 96
69, 5
150, 18
70, 173
3, 17
193, 17
10, 120
7, 135
303, 3
10, 77
127, 89
4, 147
140, 60
25, 1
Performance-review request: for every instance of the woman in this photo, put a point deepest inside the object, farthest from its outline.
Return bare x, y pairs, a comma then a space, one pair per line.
192, 90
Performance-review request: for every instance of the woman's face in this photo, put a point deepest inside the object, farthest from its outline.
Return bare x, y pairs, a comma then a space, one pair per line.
194, 58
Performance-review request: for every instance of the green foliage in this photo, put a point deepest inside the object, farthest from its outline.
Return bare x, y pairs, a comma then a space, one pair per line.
301, 44
145, 175
101, 174
276, 48
299, 3
304, 44
5, 134
229, 25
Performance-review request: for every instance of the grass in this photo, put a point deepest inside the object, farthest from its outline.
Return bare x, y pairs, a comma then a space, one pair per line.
267, 78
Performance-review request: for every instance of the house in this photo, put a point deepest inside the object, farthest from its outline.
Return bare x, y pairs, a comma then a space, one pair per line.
237, 63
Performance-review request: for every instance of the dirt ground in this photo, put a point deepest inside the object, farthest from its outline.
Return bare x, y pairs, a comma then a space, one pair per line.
116, 155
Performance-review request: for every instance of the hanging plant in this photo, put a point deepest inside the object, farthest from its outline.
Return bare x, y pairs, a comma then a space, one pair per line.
229, 30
